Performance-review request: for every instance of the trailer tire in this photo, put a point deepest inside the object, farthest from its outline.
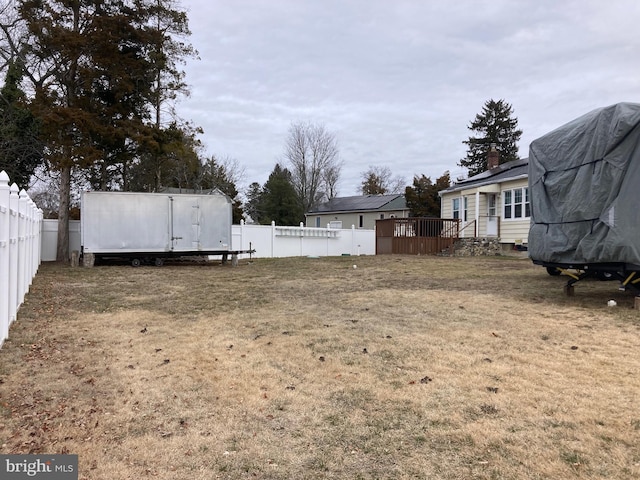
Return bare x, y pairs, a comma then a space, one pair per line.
135, 262
553, 271
158, 262
605, 276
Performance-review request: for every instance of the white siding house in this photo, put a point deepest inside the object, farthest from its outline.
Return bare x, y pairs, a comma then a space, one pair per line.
494, 203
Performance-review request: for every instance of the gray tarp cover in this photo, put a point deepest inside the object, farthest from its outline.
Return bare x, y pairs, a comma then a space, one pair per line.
584, 185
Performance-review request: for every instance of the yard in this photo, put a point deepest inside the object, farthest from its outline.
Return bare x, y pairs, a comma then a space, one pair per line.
403, 367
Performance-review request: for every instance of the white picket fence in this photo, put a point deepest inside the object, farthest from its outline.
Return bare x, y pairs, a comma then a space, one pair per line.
20, 247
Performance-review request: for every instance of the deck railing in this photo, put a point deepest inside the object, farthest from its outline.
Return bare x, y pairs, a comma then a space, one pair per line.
416, 236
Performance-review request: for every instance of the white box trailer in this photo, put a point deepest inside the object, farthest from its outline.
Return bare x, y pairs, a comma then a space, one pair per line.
149, 227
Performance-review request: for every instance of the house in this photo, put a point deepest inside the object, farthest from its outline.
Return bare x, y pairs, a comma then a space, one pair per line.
494, 203
361, 211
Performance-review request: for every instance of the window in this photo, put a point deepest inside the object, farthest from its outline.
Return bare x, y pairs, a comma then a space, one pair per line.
516, 203
360, 221
317, 222
455, 206
466, 205
508, 204
382, 216
491, 205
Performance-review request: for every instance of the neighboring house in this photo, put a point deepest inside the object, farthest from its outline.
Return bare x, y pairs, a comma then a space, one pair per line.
494, 203
361, 211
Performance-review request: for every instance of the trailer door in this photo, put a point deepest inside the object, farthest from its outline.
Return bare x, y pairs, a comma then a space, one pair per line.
186, 216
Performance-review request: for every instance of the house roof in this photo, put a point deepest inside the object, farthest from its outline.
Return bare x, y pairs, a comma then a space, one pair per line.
362, 203
502, 173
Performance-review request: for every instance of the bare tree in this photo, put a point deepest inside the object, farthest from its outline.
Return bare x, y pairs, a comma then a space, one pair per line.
312, 154
380, 181
331, 179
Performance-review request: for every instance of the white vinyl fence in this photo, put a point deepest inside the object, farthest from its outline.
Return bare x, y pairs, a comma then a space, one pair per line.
281, 241
267, 240
20, 244
50, 238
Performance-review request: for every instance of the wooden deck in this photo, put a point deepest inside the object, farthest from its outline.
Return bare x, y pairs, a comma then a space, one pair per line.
416, 236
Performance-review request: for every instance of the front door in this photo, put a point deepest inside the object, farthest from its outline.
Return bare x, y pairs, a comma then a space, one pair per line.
492, 218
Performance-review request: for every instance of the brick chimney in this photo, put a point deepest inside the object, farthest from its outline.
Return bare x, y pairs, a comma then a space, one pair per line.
493, 158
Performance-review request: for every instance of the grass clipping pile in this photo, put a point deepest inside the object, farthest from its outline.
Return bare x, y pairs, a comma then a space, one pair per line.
404, 367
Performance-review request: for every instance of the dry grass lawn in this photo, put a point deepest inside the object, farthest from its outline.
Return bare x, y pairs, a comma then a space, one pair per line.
406, 367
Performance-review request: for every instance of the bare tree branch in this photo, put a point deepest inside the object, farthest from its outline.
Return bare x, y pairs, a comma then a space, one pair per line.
312, 154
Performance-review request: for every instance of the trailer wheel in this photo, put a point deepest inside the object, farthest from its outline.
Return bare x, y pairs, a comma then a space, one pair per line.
158, 262
604, 276
553, 271
135, 262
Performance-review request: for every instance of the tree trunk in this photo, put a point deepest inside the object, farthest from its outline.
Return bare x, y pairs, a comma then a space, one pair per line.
62, 254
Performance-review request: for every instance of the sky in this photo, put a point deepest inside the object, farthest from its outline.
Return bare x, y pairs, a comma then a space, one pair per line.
397, 82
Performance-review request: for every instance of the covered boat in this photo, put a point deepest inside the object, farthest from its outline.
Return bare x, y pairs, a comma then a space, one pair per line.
584, 186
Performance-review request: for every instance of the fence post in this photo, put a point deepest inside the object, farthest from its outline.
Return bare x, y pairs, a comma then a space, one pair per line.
39, 241
35, 240
273, 237
13, 251
28, 215
33, 215
243, 235
328, 234
301, 239
22, 245
353, 239
4, 255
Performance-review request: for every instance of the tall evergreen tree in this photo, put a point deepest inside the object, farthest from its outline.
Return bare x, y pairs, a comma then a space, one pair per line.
167, 50
280, 202
219, 174
494, 125
422, 198
20, 147
253, 205
168, 159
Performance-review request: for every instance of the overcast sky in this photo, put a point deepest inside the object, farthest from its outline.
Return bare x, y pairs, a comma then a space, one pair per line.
398, 81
